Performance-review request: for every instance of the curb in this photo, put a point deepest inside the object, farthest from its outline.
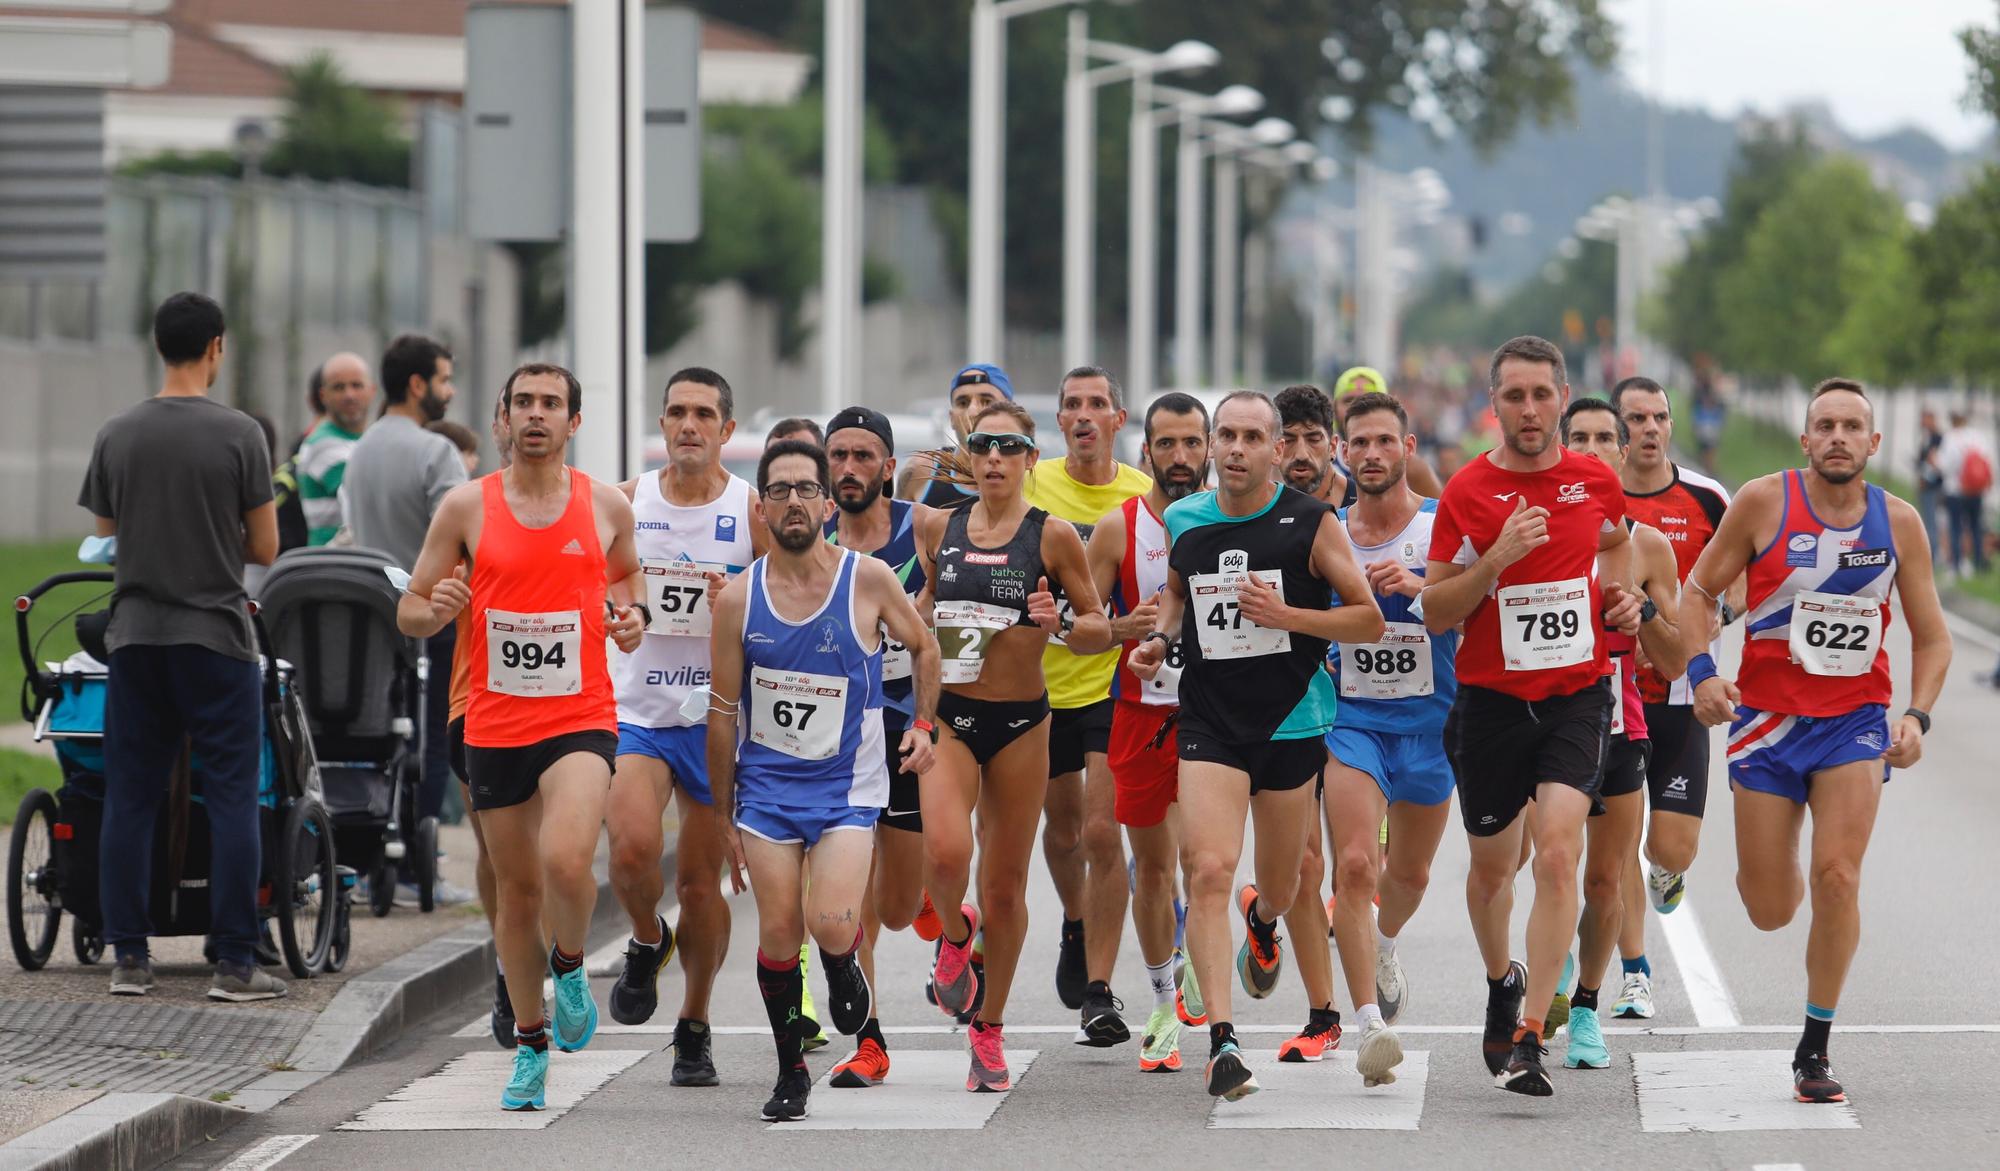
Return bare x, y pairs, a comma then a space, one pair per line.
127, 1132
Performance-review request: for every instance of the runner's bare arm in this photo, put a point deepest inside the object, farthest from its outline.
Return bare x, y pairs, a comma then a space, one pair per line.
929, 527
1930, 638
912, 474
1453, 591
1725, 557
436, 594
725, 689
1356, 619
1146, 658
1106, 552
1063, 557
898, 614
630, 488
1660, 638
621, 568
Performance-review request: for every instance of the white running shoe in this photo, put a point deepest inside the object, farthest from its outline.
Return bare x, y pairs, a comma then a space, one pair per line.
1379, 1055
1635, 999
1667, 887
1392, 991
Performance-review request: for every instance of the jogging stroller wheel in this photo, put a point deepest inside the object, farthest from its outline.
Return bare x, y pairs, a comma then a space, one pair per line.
306, 889
382, 887
424, 863
34, 895
87, 941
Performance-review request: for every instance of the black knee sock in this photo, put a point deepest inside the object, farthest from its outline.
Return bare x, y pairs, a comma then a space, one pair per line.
1584, 998
1818, 1033
781, 985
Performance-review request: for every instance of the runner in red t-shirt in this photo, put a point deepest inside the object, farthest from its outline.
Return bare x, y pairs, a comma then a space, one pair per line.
1514, 555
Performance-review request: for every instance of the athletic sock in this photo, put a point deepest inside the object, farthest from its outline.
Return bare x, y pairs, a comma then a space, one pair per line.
660, 924
1528, 1029
1220, 1033
1370, 1016
534, 1036
780, 984
1161, 978
1637, 964
1497, 987
1583, 998
562, 962
1386, 944
1819, 1025
872, 1031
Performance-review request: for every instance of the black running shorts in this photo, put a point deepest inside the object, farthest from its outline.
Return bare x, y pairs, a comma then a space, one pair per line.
988, 726
1625, 766
1273, 766
1075, 732
1677, 774
905, 810
509, 776
1502, 748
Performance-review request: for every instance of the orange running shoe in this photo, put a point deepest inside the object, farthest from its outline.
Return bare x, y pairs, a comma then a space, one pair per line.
1320, 1037
868, 1067
927, 925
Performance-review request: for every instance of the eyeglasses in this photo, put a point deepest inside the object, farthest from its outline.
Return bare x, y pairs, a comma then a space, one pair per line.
778, 490
1009, 443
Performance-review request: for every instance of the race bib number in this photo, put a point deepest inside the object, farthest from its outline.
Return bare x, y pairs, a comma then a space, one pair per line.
1164, 688
964, 630
1546, 624
895, 659
1618, 695
797, 713
1835, 634
1220, 629
677, 594
1398, 667
534, 655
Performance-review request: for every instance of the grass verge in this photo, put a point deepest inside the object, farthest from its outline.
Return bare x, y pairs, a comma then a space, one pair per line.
21, 771
21, 567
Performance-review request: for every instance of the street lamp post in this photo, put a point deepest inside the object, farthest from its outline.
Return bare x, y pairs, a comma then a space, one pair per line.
1188, 110
1232, 148
840, 234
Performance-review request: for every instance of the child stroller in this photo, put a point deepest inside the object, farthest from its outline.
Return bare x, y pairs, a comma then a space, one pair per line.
333, 611
52, 863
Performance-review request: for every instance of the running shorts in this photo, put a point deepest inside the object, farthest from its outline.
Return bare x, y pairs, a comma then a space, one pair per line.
1502, 748
502, 777
1778, 754
906, 809
683, 750
786, 825
1273, 766
988, 726
1411, 769
1145, 765
1075, 732
1677, 773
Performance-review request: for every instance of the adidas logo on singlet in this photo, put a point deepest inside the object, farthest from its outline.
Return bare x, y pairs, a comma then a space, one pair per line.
575, 547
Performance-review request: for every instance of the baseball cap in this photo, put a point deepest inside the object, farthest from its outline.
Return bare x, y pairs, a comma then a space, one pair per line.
872, 421
983, 372
1351, 379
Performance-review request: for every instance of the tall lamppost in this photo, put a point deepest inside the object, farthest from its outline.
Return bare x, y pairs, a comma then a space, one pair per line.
1233, 146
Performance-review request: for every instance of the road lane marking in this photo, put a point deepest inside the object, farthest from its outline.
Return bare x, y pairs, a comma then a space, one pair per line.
268, 1153
477, 1027
1327, 1095
1727, 1089
465, 1095
1713, 1006
1777, 1167
925, 1091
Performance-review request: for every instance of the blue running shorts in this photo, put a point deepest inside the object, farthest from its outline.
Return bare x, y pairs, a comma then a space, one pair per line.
1412, 769
778, 823
1778, 754
685, 751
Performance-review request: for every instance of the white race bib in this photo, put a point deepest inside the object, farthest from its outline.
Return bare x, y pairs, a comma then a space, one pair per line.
797, 713
534, 655
895, 658
1220, 629
1835, 634
1164, 688
677, 594
1546, 624
1397, 667
964, 629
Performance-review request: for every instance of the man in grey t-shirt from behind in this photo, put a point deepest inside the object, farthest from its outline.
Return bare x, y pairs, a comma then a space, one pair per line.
397, 475
184, 483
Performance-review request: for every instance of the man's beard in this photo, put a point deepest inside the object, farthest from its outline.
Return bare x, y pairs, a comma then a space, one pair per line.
795, 541
433, 406
1174, 489
1843, 475
1309, 487
1387, 485
870, 493
1514, 441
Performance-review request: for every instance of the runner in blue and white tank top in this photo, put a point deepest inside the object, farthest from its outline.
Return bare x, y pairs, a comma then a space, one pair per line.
1385, 754
794, 746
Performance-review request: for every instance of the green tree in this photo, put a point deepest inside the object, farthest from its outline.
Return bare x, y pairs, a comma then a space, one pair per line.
1951, 259
1884, 336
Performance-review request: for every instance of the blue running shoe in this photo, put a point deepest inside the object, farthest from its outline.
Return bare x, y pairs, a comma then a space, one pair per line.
576, 1012
526, 1090
1586, 1042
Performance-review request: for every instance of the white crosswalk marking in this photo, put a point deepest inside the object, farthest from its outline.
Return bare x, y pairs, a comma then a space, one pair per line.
1730, 1089
925, 1091
465, 1095
269, 1153
1326, 1095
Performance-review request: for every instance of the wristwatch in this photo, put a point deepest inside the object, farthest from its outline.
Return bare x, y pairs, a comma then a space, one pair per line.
645, 614
1065, 623
926, 727
1153, 634
1648, 612
1922, 717
1729, 616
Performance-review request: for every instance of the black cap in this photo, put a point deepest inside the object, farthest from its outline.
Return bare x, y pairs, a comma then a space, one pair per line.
868, 420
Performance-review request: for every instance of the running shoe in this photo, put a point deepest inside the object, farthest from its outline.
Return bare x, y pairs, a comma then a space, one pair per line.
978, 994
134, 977
1101, 1027
1503, 1013
1392, 991
1524, 1073
238, 985
502, 1017
847, 989
1559, 1003
989, 1060
694, 1057
1257, 967
1586, 1042
1813, 1081
1161, 1051
952, 980
527, 1089
1188, 1004
636, 993
788, 1097
1380, 1053
576, 1011
1228, 1078
1072, 972
1635, 999
811, 1036
1330, 900
927, 925
1320, 1037
1667, 887
868, 1067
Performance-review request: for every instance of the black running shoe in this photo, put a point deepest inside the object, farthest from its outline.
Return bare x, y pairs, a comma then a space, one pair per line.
788, 1097
1072, 972
978, 994
694, 1061
503, 1013
1524, 1073
848, 997
1812, 1080
1228, 1078
636, 993
1102, 1027
1503, 1012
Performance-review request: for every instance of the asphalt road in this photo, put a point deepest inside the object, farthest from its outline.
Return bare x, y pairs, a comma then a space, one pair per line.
1917, 1039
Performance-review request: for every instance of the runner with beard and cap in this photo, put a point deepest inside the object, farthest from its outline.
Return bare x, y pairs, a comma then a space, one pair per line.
928, 476
1080, 840
861, 458
1128, 561
1808, 718
1352, 383
796, 752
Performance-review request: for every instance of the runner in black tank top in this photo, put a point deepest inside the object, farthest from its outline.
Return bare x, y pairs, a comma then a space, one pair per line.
994, 568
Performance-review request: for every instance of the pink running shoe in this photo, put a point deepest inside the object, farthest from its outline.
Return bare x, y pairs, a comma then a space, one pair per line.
989, 1060
952, 978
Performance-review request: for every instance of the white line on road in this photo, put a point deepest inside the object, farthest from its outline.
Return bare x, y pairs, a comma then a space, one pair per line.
926, 1092
477, 1027
1327, 1095
1777, 1167
1709, 996
465, 1095
268, 1153
1727, 1089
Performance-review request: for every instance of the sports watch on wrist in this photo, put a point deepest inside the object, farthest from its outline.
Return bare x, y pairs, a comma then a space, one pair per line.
926, 727
1922, 717
1648, 612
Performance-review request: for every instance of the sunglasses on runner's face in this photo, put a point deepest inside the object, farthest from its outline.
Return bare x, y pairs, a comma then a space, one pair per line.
1009, 443
779, 490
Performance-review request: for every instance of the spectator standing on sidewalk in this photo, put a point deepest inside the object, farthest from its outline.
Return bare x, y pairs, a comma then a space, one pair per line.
1966, 460
184, 483
1930, 480
347, 390
397, 475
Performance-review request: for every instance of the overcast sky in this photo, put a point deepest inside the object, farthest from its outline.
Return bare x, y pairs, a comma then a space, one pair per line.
1880, 64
